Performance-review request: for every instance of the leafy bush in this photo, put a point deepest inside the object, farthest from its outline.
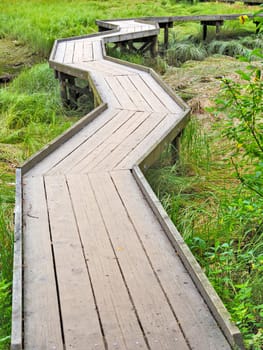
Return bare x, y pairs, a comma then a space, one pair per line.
243, 102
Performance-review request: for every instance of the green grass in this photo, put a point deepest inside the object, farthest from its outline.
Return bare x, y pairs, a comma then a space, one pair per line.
39, 23
220, 220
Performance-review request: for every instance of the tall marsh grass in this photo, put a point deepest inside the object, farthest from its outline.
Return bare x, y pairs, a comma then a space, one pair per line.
31, 110
38, 22
221, 222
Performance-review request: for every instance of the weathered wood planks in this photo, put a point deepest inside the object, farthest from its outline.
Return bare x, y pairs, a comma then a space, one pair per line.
42, 328
99, 270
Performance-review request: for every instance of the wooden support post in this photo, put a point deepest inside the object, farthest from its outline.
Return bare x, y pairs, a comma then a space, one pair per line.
166, 36
72, 94
215, 23
176, 148
145, 47
204, 31
63, 88
217, 28
154, 46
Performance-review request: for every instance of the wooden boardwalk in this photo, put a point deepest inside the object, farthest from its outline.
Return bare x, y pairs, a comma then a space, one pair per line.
103, 266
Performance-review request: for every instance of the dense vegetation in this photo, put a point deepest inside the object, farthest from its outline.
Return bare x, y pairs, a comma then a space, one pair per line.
219, 217
214, 196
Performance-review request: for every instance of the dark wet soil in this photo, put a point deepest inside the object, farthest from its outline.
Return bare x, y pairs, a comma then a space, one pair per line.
14, 56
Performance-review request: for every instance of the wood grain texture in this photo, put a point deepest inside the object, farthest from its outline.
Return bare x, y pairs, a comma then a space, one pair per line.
69, 52
42, 328
130, 142
78, 310
160, 326
117, 313
118, 137
78, 158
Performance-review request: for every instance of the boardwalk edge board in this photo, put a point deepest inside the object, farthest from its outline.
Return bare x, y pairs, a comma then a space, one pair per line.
50, 147
17, 330
153, 153
212, 299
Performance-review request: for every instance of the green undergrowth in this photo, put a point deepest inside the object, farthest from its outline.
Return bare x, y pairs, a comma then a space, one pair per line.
39, 23
31, 112
221, 221
190, 48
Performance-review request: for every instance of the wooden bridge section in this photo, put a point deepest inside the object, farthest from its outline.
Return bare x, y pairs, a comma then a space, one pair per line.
98, 264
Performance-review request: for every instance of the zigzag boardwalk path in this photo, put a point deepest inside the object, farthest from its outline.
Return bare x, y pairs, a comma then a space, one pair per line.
99, 270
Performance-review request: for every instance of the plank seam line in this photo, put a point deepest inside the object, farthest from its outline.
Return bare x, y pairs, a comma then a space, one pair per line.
153, 92
87, 267
138, 144
79, 145
150, 263
55, 268
120, 269
123, 141
102, 142
139, 91
113, 92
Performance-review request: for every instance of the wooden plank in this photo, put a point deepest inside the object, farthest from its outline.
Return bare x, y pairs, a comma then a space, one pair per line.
191, 311
104, 90
105, 149
117, 314
119, 69
60, 52
110, 68
156, 318
130, 142
162, 95
87, 51
42, 162
148, 94
69, 52
97, 50
213, 301
17, 302
120, 93
78, 308
148, 143
42, 329
152, 154
134, 93
78, 51
90, 144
